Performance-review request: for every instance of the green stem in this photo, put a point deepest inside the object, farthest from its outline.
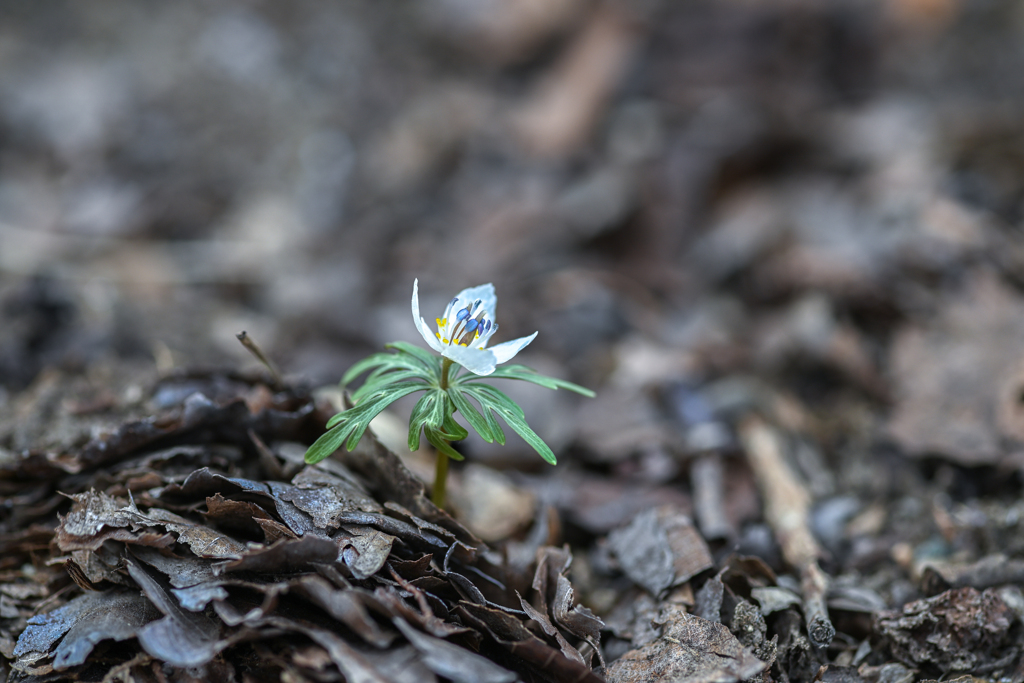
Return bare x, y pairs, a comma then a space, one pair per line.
440, 480
446, 364
441, 465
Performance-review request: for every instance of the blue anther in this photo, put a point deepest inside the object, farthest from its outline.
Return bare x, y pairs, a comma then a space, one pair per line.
462, 315
453, 302
471, 324
487, 326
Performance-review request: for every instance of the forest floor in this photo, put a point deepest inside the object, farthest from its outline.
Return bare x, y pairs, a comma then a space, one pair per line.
783, 242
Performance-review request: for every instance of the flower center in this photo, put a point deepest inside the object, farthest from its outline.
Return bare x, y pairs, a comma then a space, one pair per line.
466, 326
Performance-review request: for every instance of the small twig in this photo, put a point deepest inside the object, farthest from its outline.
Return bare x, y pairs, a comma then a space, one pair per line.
707, 482
253, 348
814, 586
787, 504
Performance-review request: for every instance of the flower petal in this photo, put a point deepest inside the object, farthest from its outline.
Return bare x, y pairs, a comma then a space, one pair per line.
421, 324
485, 293
506, 350
478, 361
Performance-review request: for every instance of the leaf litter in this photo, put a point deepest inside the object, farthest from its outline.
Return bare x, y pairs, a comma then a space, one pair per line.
212, 569
206, 569
793, 267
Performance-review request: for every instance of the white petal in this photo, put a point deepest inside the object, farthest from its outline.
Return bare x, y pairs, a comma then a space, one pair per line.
421, 324
488, 299
506, 350
478, 361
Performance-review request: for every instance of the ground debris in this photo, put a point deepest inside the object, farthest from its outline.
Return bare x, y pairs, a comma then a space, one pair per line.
660, 548
689, 650
808, 215
217, 567
957, 378
959, 630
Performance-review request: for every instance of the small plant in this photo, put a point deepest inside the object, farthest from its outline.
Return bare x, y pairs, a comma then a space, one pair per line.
452, 382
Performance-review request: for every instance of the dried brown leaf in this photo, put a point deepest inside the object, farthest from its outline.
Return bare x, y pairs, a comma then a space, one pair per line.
954, 631
689, 650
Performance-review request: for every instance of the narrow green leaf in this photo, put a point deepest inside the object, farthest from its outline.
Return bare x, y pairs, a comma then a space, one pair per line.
343, 415
492, 423
380, 382
430, 360
374, 409
329, 442
387, 360
518, 424
495, 396
404, 356
487, 404
439, 409
452, 430
357, 418
388, 394
525, 374
493, 399
473, 416
438, 441
390, 368
419, 417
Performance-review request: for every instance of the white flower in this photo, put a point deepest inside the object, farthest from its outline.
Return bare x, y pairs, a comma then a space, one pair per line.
465, 328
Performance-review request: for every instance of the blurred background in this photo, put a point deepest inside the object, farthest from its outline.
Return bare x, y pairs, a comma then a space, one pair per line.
807, 195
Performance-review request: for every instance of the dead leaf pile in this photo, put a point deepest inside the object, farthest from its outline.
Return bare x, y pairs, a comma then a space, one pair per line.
199, 544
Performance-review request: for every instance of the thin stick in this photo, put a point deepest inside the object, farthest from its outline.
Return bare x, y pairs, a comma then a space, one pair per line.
253, 348
787, 504
707, 475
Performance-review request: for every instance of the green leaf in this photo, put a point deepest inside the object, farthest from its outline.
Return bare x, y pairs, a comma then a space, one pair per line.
329, 442
376, 383
525, 374
385, 395
492, 423
472, 415
493, 395
421, 414
349, 425
518, 424
439, 441
404, 356
451, 429
385, 360
492, 399
428, 359
487, 407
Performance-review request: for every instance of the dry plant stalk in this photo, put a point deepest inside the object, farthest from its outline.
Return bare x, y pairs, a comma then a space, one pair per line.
787, 503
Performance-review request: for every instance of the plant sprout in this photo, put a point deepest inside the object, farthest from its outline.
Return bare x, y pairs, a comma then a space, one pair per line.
452, 382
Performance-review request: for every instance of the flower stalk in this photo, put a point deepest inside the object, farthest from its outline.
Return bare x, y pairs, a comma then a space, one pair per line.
439, 494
